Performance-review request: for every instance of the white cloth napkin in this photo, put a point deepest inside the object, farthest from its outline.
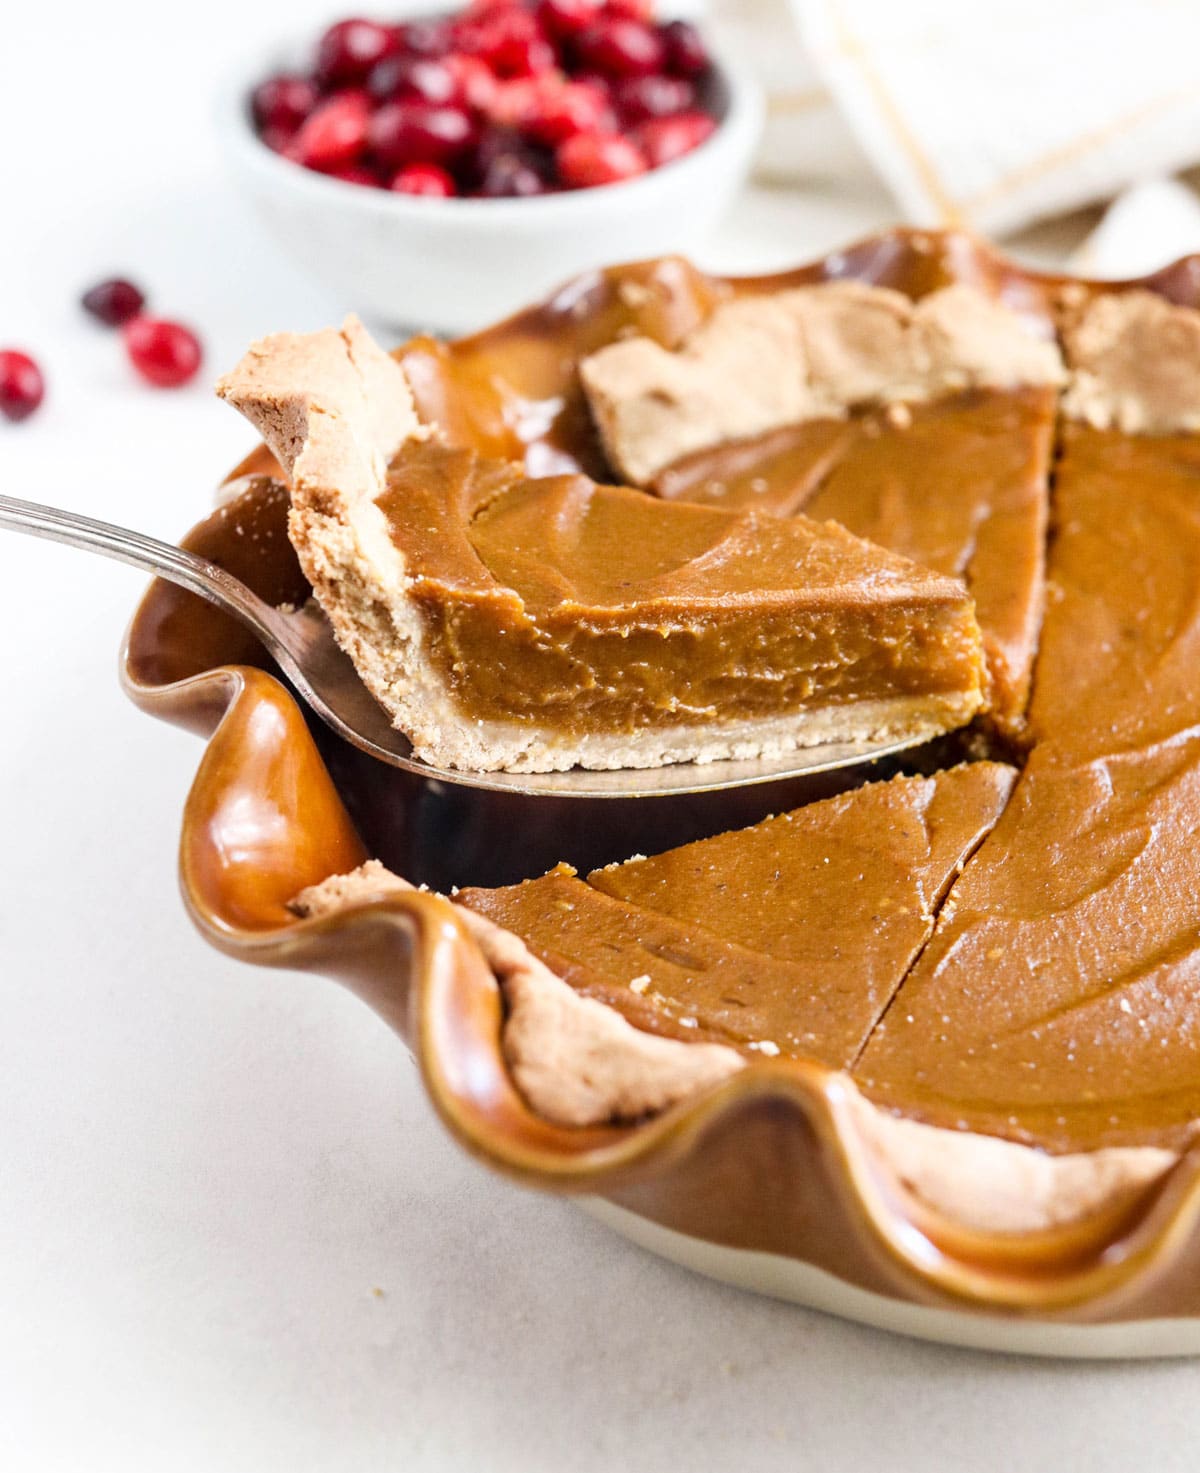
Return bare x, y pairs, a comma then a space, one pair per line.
1146, 228
984, 114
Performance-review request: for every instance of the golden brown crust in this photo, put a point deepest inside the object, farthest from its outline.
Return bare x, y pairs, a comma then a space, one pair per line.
1135, 365
577, 1061
332, 407
371, 881
761, 363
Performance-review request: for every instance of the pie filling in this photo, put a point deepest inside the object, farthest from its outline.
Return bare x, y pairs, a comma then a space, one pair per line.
1059, 1000
598, 609
745, 939
1023, 966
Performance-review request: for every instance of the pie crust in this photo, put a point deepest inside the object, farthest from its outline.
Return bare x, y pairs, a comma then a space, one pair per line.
762, 363
578, 1062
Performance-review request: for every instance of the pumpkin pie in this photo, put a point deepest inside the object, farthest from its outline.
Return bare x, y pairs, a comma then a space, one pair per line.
534, 623
995, 962
925, 427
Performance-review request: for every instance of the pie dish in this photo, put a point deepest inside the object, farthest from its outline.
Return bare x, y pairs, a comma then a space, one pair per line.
1003, 1125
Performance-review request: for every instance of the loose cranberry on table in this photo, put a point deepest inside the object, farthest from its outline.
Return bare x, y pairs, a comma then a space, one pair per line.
22, 387
165, 353
489, 97
113, 302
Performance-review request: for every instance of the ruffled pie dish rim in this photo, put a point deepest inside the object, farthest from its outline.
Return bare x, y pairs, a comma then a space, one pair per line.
775, 1158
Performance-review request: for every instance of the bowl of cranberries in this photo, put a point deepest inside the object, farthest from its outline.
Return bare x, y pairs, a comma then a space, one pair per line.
443, 169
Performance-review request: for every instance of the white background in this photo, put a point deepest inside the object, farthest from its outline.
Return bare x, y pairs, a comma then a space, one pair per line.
232, 1235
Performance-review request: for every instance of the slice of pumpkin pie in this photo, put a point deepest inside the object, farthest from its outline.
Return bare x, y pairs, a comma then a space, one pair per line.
786, 938
534, 624
926, 427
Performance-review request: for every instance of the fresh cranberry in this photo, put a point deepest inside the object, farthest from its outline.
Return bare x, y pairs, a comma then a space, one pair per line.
113, 302
279, 140
283, 102
589, 159
355, 174
687, 55
514, 101
498, 143
604, 85
166, 354
655, 96
563, 18
22, 387
474, 80
528, 58
622, 48
631, 9
509, 40
334, 133
348, 50
560, 111
665, 139
426, 37
426, 179
419, 133
509, 176
412, 76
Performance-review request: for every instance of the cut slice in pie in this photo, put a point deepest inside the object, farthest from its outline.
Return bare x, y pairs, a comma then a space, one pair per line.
786, 938
1059, 999
537, 624
927, 428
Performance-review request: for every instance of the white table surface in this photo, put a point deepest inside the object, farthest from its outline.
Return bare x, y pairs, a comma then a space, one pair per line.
232, 1234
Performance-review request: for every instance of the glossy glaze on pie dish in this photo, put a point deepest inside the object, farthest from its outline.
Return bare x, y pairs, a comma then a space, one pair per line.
989, 971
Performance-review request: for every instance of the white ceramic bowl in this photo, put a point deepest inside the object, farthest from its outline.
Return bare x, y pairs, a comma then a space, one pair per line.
456, 264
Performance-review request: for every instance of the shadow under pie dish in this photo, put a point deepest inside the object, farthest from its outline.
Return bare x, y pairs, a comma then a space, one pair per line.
983, 1091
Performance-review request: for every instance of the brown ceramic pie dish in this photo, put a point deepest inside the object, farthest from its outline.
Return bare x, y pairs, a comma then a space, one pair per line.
771, 1178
